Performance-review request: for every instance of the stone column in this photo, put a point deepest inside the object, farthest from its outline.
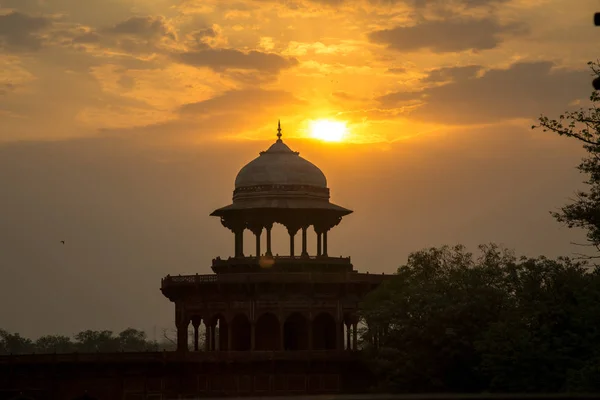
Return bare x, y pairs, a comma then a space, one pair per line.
318, 243
252, 336
182, 336
213, 336
196, 324
268, 252
325, 243
292, 230
355, 335
239, 242
207, 335
348, 346
258, 234
304, 252
229, 335
340, 335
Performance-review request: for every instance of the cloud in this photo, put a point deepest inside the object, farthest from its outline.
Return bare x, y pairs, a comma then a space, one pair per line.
452, 73
223, 59
148, 27
21, 32
525, 90
444, 36
247, 101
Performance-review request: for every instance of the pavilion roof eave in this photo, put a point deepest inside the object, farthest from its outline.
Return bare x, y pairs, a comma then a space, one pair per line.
280, 205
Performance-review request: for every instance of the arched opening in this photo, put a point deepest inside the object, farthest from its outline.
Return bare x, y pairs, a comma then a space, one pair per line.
280, 240
249, 243
240, 333
324, 332
267, 336
221, 333
295, 333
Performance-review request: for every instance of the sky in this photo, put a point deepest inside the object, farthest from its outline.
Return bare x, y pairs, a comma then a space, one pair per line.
123, 124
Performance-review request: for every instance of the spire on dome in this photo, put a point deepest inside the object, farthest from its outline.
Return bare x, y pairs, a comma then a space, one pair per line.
279, 130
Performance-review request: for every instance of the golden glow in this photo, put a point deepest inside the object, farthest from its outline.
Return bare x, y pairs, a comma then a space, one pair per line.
327, 130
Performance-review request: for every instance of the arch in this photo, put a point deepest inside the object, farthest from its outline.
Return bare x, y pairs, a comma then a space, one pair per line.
221, 332
324, 332
268, 332
295, 332
240, 333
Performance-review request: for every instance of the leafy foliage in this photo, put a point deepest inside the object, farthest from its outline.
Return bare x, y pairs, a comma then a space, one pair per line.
584, 126
454, 322
87, 341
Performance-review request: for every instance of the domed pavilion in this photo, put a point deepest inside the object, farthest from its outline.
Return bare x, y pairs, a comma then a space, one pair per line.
262, 305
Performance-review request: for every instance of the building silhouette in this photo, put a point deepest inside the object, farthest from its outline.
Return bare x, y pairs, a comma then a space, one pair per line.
272, 324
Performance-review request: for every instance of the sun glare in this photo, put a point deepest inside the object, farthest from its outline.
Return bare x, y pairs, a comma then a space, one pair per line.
328, 131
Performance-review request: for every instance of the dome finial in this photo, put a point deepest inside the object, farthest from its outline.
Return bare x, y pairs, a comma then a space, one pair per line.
279, 130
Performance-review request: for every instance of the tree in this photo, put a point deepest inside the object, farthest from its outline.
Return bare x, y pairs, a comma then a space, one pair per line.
54, 344
13, 343
135, 340
584, 126
96, 341
459, 323
434, 310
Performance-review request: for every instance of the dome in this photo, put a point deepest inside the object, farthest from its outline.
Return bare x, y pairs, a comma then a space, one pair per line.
279, 165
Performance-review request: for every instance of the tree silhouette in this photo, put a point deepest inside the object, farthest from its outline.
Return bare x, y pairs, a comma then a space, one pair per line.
453, 322
584, 126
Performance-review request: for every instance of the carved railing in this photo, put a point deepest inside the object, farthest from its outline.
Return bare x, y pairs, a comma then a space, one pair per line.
288, 260
273, 277
172, 356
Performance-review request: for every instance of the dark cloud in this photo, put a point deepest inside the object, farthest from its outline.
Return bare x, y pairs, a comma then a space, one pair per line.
19, 31
199, 37
447, 35
525, 90
148, 27
452, 74
135, 35
397, 70
223, 59
245, 101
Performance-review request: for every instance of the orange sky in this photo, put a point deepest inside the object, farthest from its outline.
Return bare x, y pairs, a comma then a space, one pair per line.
124, 122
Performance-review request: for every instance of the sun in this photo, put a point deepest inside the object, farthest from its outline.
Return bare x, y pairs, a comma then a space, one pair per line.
327, 130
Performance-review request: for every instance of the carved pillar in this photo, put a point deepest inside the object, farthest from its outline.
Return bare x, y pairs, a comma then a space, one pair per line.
355, 335
213, 336
182, 320
256, 228
229, 335
348, 326
239, 240
258, 243
196, 324
292, 230
268, 228
340, 335
207, 335
182, 338
304, 252
318, 243
325, 243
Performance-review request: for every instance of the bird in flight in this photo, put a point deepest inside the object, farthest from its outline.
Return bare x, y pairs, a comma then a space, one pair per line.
62, 241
